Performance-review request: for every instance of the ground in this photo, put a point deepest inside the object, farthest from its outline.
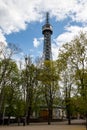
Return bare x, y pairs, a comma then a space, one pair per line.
76, 125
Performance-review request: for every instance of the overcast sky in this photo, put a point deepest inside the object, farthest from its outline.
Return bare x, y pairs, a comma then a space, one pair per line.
21, 23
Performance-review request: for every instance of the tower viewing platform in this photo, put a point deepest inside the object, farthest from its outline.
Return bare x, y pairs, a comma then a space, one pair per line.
47, 26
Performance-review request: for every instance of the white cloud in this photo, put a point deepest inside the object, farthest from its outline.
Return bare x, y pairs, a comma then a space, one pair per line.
69, 34
2, 43
37, 42
15, 14
2, 38
55, 49
79, 11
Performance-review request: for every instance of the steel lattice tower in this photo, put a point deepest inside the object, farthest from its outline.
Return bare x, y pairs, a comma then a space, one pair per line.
47, 32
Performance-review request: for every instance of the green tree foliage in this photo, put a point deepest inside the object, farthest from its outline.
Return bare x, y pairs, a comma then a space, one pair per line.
24, 91
29, 86
72, 63
9, 81
49, 85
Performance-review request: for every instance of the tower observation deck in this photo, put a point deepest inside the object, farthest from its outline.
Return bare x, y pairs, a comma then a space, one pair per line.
47, 32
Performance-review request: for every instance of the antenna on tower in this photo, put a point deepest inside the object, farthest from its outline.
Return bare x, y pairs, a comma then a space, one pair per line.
47, 17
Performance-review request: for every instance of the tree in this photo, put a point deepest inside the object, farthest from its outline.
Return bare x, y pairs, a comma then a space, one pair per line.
66, 78
49, 80
5, 68
29, 83
11, 88
73, 58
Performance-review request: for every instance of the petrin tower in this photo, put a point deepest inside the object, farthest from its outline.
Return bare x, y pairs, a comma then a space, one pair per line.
47, 32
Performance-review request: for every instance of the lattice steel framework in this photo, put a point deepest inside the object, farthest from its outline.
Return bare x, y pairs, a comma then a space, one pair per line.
47, 32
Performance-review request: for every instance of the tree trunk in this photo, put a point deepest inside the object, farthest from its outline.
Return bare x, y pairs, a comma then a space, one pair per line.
8, 120
86, 121
28, 117
49, 116
18, 121
68, 114
69, 119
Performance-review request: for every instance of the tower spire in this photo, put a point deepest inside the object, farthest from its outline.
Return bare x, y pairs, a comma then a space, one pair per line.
47, 18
